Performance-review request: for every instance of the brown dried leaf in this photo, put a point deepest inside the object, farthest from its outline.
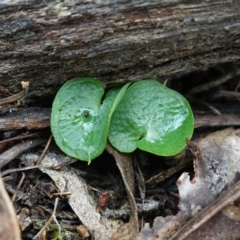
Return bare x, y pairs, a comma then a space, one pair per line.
9, 228
80, 200
217, 169
124, 162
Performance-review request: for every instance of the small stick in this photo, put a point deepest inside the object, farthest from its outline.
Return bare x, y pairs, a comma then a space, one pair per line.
207, 86
66, 161
16, 97
226, 94
141, 182
94, 189
20, 138
61, 194
160, 177
45, 191
5, 179
237, 94
59, 227
213, 109
18, 187
45, 149
13, 152
49, 220
228, 197
30, 167
4, 173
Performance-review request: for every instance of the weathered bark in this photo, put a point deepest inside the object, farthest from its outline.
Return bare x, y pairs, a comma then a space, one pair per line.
30, 118
47, 43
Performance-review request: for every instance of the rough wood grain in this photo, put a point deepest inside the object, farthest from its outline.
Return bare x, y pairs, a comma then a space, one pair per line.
210, 120
31, 118
47, 43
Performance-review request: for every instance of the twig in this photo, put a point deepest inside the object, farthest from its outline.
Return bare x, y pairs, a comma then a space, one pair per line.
207, 86
48, 193
230, 95
94, 189
45, 150
141, 182
5, 179
141, 187
16, 97
4, 173
149, 206
229, 196
185, 162
13, 152
18, 187
213, 109
30, 167
61, 194
20, 138
49, 220
217, 121
66, 161
59, 227
236, 93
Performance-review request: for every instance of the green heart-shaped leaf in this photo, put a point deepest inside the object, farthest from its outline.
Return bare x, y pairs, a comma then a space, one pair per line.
153, 118
79, 122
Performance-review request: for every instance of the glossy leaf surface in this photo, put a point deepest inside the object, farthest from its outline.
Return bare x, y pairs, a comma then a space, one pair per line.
79, 122
153, 118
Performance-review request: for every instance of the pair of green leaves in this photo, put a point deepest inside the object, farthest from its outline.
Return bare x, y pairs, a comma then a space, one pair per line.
145, 115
